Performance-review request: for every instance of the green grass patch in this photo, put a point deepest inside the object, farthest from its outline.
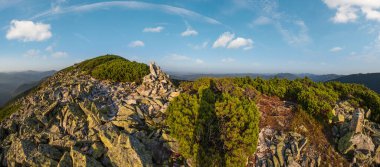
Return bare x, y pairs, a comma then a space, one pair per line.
8, 110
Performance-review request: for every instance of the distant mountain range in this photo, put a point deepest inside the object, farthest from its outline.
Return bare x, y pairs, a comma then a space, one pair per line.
371, 80
290, 76
14, 83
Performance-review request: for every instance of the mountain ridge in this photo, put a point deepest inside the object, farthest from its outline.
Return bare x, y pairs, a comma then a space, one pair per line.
111, 111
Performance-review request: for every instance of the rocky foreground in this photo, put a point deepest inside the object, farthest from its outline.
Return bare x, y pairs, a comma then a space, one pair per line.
354, 139
73, 119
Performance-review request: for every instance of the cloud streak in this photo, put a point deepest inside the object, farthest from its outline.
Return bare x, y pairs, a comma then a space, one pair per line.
153, 29
128, 5
135, 44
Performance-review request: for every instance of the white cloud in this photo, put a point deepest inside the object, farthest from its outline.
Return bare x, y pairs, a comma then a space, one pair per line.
345, 14
371, 14
336, 49
59, 54
189, 32
228, 60
241, 42
32, 53
223, 40
137, 43
199, 61
27, 31
130, 5
153, 29
348, 10
226, 40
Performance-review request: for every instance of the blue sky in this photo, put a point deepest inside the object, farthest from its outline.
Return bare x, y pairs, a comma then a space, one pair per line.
207, 36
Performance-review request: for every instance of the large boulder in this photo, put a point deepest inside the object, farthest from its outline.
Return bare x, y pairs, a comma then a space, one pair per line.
352, 141
124, 149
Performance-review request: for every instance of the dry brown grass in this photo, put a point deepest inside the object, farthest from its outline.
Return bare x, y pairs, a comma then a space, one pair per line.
318, 135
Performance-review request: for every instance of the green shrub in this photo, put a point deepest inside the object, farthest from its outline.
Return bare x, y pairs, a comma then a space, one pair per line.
89, 65
114, 68
214, 123
121, 71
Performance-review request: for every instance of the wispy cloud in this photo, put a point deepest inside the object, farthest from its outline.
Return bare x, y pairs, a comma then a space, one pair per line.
370, 53
153, 29
262, 20
178, 57
32, 53
336, 49
203, 45
136, 5
183, 58
199, 61
59, 54
189, 32
228, 60
135, 44
294, 37
294, 31
44, 54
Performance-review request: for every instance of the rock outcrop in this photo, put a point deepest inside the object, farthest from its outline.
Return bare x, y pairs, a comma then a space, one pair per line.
277, 148
73, 119
356, 137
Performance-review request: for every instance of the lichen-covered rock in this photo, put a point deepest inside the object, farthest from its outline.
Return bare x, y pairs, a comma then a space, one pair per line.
20, 151
345, 144
82, 160
355, 142
65, 160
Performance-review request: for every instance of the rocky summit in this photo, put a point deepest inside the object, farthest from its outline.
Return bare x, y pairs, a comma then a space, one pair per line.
73, 119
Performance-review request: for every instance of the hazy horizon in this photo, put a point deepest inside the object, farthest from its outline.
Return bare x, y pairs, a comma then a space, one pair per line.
201, 36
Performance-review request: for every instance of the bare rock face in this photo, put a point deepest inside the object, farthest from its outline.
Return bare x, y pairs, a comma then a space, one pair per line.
276, 148
73, 119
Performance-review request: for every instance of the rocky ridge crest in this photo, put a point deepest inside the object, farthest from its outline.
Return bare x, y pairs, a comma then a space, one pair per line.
73, 119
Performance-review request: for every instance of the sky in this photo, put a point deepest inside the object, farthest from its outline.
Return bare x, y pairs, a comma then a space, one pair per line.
195, 36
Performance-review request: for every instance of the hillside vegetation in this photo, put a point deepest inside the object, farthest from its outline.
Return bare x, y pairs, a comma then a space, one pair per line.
214, 123
316, 98
114, 68
216, 120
